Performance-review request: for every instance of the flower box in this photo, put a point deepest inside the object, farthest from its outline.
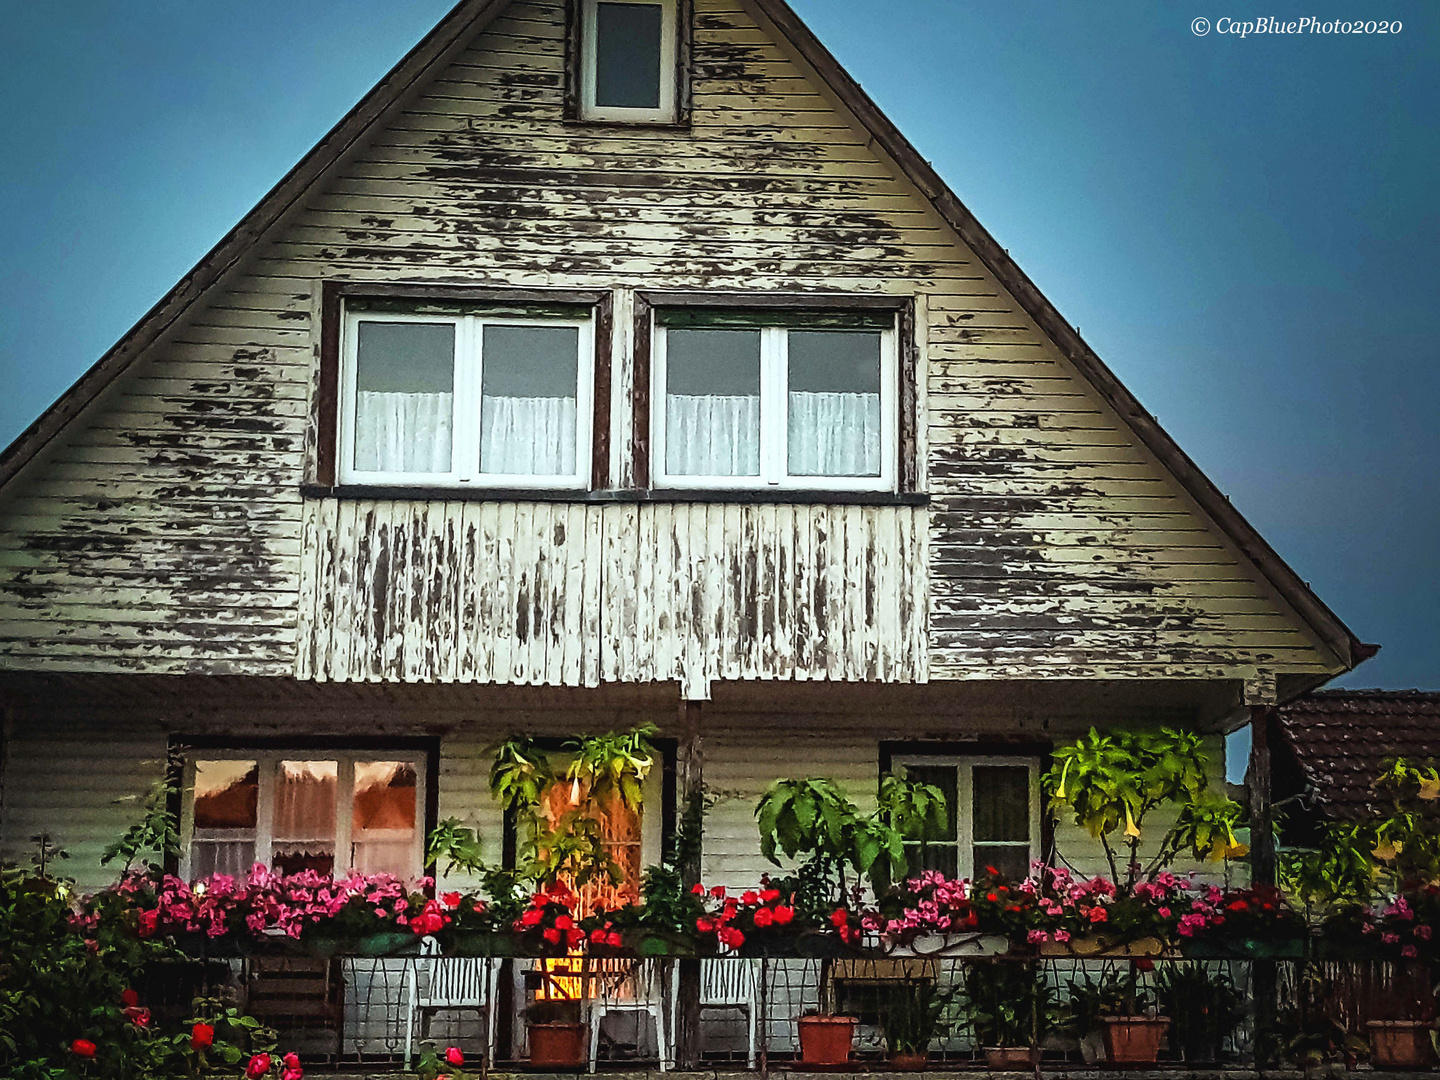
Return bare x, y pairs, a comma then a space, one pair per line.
939, 946
1100, 947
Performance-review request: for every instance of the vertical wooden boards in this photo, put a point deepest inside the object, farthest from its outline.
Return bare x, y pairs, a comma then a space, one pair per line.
571, 594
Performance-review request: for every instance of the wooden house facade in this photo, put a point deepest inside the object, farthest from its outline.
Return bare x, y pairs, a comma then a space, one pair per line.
545, 397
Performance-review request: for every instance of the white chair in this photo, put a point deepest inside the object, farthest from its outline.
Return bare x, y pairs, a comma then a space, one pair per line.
626, 986
460, 983
729, 986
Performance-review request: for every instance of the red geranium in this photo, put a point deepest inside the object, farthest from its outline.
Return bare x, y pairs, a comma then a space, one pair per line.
129, 998
83, 1048
201, 1036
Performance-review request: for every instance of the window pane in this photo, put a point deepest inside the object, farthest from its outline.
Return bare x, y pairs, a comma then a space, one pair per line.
942, 857
1012, 863
404, 396
383, 824
305, 817
627, 55
834, 414
1002, 802
529, 388
712, 402
946, 778
225, 817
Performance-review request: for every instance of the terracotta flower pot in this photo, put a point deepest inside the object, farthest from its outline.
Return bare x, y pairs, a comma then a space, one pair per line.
1011, 1058
1400, 1044
825, 1040
912, 1061
1134, 1040
557, 1045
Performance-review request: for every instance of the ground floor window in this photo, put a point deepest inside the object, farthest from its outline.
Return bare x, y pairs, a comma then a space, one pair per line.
330, 811
992, 814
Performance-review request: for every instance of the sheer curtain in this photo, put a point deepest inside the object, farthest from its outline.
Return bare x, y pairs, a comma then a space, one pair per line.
403, 433
527, 436
712, 435
834, 434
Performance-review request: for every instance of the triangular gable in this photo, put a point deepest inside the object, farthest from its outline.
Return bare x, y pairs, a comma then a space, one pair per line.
468, 20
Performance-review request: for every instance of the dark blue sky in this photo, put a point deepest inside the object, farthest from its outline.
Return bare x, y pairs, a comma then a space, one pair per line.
1246, 230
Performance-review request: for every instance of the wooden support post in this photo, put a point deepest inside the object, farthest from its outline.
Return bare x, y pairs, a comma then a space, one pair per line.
690, 766
1264, 982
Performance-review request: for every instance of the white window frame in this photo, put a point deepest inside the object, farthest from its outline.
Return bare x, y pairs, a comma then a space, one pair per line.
965, 796
268, 765
669, 52
774, 421
465, 394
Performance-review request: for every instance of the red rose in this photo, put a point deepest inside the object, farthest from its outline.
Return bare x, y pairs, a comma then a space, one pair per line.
138, 1016
201, 1036
129, 998
764, 917
839, 917
784, 915
451, 900
552, 935
83, 1048
258, 1067
453, 1056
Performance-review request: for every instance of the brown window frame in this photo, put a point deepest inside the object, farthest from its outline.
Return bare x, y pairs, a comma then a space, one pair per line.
907, 475
325, 412
684, 65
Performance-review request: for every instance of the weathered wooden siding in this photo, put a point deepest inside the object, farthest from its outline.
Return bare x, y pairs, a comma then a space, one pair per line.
576, 594
163, 531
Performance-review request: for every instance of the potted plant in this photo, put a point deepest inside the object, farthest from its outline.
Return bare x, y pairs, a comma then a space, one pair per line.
556, 1035
913, 1016
1011, 1009
1204, 1005
815, 820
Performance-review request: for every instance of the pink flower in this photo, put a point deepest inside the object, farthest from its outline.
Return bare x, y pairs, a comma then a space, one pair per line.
1409, 952
1423, 932
1037, 936
453, 1056
1062, 935
259, 1065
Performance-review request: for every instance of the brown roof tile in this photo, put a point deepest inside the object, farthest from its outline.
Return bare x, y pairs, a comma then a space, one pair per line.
1342, 738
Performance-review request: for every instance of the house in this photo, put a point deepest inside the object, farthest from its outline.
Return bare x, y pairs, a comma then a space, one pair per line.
1332, 744
611, 362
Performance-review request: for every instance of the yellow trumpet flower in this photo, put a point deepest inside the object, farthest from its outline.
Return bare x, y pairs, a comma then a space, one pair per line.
1060, 791
1430, 786
1131, 829
1386, 850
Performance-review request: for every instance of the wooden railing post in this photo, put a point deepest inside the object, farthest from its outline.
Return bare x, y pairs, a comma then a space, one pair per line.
690, 767
1264, 980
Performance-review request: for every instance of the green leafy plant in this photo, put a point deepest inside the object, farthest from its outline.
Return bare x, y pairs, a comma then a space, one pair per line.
814, 818
520, 774
157, 832
914, 1015
1008, 1004
1204, 1007
613, 765
457, 846
573, 849
1109, 783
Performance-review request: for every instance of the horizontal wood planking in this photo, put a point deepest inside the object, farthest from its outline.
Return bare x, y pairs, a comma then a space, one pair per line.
1057, 543
574, 595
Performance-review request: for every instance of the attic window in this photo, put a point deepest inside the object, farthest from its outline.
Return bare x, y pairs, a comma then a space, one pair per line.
775, 400
628, 51
439, 398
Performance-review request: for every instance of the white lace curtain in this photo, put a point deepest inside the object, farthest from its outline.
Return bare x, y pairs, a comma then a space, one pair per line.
403, 433
712, 435
527, 436
829, 434
834, 434
411, 433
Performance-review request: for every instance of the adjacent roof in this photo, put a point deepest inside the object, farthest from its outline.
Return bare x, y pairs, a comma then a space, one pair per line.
1341, 738
470, 17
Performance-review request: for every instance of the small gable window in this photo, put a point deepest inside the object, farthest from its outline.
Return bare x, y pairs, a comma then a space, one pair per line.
443, 399
628, 51
775, 401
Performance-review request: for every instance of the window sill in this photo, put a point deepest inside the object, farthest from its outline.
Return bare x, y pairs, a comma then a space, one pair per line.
634, 496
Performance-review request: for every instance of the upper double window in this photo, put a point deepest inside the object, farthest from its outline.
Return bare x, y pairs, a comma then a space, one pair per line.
774, 402
628, 51
457, 399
